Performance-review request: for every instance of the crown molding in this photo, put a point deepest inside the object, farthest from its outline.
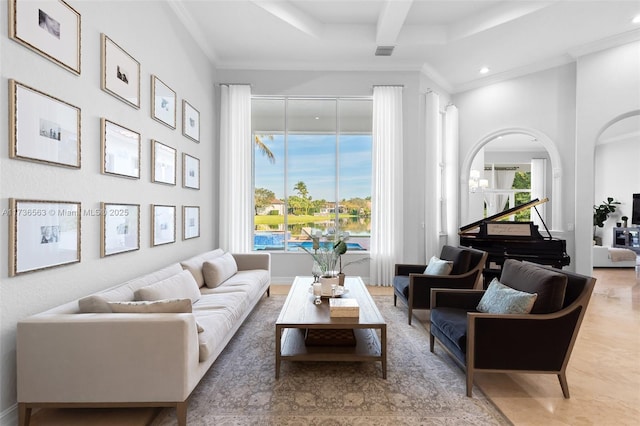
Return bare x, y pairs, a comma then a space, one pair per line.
193, 29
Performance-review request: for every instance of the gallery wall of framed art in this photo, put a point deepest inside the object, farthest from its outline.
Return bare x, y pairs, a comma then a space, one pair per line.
77, 193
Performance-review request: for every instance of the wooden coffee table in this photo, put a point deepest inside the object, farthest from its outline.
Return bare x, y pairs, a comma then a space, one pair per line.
300, 314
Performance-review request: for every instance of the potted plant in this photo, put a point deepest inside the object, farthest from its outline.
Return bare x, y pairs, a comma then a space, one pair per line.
326, 255
601, 214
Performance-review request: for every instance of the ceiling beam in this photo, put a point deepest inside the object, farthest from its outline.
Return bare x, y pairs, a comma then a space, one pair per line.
496, 16
292, 15
391, 20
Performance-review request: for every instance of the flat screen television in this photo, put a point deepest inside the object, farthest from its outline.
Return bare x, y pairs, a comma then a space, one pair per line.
635, 215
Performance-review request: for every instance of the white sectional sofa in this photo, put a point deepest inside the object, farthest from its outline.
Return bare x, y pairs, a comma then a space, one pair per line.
611, 257
146, 342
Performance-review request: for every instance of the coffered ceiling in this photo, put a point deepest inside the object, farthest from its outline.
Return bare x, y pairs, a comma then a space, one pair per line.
450, 41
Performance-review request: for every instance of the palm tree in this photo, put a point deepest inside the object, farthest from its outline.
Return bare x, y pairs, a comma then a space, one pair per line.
263, 148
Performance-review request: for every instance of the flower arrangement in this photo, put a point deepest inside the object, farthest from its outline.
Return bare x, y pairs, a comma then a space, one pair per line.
326, 254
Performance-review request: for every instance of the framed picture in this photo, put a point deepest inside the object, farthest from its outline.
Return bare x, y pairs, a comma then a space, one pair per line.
190, 171
163, 159
190, 121
120, 73
120, 228
191, 222
44, 234
51, 28
163, 101
42, 128
163, 224
120, 150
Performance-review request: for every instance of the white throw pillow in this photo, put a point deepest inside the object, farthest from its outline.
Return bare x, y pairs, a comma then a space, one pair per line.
438, 266
176, 306
179, 286
217, 271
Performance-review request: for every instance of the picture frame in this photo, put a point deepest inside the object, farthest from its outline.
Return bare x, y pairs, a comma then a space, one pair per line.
42, 128
163, 224
190, 222
164, 163
44, 234
52, 29
120, 150
190, 121
119, 228
120, 74
163, 102
190, 171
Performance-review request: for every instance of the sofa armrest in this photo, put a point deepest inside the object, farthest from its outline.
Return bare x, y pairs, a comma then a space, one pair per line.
408, 268
249, 261
466, 299
107, 358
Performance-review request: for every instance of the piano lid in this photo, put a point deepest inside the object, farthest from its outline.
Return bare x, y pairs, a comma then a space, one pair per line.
513, 210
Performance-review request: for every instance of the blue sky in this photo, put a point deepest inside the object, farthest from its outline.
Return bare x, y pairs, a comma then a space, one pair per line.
312, 160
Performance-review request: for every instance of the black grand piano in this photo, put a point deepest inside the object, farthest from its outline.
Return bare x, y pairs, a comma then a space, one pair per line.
513, 240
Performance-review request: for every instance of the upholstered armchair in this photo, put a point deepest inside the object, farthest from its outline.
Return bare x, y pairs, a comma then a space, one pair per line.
413, 286
537, 342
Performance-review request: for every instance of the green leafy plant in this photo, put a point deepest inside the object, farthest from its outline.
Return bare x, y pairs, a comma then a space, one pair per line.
601, 213
327, 253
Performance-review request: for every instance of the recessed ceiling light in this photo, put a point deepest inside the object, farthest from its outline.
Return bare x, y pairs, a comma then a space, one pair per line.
317, 118
484, 70
636, 19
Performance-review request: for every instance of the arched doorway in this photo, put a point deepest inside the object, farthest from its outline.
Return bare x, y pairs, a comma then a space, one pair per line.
556, 172
616, 173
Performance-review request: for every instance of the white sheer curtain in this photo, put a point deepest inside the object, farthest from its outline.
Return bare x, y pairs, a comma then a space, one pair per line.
452, 188
538, 184
502, 180
386, 197
433, 140
235, 168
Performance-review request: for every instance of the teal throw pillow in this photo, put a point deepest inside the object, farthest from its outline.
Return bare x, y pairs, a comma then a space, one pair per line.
438, 266
501, 299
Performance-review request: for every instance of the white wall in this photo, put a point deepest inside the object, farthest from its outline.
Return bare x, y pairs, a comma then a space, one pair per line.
544, 102
153, 36
357, 83
617, 175
608, 88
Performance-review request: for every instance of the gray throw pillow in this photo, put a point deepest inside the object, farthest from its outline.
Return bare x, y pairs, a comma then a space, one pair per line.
501, 299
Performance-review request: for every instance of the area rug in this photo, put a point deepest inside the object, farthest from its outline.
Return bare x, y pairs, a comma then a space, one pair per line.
421, 388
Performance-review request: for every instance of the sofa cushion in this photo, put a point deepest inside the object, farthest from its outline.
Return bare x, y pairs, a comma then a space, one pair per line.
194, 264
460, 257
501, 299
549, 285
453, 324
179, 286
438, 266
177, 306
97, 303
218, 270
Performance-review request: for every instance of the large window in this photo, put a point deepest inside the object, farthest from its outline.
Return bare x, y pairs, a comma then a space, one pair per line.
312, 170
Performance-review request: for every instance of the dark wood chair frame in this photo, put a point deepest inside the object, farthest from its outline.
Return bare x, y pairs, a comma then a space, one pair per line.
514, 335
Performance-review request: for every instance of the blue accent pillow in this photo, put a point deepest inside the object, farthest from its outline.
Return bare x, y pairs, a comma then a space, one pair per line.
501, 299
438, 266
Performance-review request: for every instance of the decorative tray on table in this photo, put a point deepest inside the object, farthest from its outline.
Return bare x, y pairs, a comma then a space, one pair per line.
340, 291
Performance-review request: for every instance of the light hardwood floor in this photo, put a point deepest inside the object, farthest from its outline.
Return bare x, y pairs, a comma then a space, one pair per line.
603, 373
